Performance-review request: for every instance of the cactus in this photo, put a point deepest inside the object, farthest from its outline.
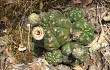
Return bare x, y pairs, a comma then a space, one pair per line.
82, 24
74, 14
54, 57
57, 30
67, 53
34, 18
79, 52
83, 31
73, 53
56, 27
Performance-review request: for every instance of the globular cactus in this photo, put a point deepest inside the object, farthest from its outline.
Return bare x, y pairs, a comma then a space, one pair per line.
67, 53
79, 52
74, 14
81, 29
83, 25
54, 57
34, 18
56, 27
57, 30
73, 53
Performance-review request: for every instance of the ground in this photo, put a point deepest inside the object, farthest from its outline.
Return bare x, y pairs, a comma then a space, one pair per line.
13, 18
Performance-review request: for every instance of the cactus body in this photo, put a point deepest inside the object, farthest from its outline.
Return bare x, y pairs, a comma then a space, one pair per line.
67, 53
56, 27
81, 29
74, 14
54, 57
73, 53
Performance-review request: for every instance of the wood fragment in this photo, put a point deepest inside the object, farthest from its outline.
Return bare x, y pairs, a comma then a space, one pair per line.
87, 2
76, 1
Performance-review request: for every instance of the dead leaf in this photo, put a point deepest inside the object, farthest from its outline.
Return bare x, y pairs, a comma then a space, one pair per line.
77, 67
107, 0
76, 1
35, 66
62, 67
93, 42
96, 46
2, 41
102, 38
107, 18
5, 21
87, 2
10, 58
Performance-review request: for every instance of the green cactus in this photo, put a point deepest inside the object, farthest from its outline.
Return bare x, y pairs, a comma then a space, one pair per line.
82, 24
74, 14
83, 31
56, 27
79, 52
67, 53
66, 49
57, 30
73, 53
54, 57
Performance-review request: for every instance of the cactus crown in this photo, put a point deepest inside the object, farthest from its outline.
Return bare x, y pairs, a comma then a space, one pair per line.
56, 27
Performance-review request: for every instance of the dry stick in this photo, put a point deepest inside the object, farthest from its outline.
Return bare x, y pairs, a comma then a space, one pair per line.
102, 34
1, 65
21, 31
107, 29
41, 6
29, 38
102, 31
21, 46
29, 33
44, 64
99, 19
106, 35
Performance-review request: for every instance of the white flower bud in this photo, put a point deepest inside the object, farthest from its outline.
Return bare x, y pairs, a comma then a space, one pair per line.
38, 33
